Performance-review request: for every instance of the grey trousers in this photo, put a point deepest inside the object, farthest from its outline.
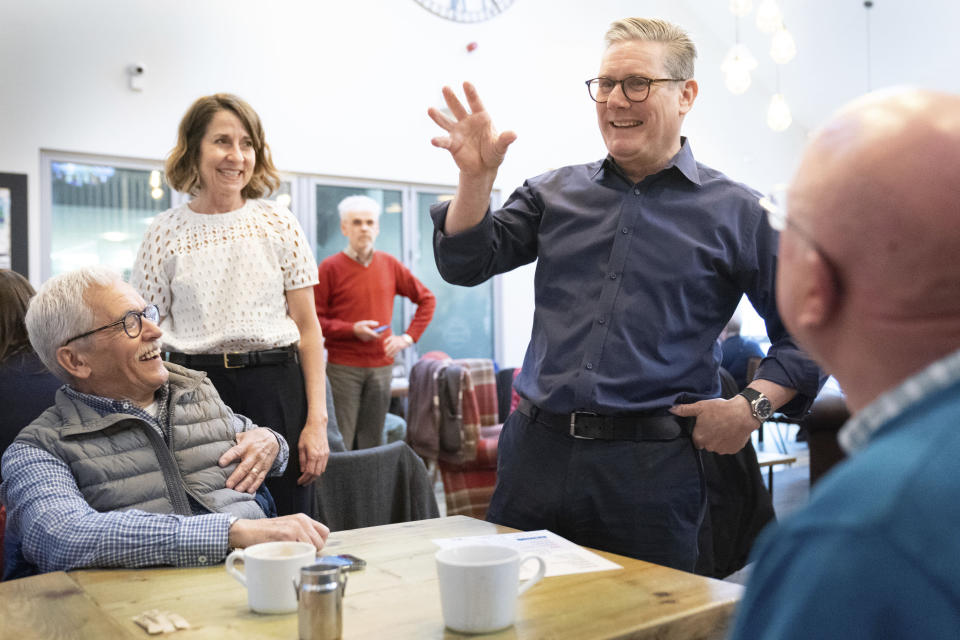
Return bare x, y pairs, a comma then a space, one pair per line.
361, 397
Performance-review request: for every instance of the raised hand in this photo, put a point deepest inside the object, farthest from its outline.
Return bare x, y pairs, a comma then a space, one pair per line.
471, 138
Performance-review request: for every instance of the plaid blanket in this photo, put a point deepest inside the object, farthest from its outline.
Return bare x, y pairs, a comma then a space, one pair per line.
453, 420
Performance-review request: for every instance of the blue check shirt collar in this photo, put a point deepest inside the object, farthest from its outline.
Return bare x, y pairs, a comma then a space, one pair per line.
107, 406
860, 429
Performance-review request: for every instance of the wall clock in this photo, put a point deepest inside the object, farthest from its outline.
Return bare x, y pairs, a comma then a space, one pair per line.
466, 10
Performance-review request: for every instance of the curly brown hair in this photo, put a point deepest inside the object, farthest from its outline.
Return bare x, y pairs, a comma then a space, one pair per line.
182, 165
15, 294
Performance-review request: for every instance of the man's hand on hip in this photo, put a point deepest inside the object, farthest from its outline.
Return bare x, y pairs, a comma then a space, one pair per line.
723, 426
393, 345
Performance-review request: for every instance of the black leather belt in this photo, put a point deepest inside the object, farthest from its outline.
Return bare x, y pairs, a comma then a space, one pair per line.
636, 427
233, 360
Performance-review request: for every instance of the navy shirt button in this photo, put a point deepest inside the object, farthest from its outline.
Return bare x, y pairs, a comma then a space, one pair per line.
601, 320
624, 230
589, 366
636, 192
613, 276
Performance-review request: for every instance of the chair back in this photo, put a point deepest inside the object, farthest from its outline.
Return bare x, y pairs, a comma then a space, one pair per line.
753, 363
370, 487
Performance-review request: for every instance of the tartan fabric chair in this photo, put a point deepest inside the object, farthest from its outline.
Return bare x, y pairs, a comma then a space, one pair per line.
468, 485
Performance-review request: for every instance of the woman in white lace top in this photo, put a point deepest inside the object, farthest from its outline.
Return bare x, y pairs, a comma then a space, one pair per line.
233, 278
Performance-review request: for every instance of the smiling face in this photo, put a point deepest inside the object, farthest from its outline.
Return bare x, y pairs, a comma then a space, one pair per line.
227, 160
110, 363
361, 229
642, 136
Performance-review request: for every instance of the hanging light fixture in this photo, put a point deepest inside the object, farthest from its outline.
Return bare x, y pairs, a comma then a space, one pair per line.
736, 68
741, 7
738, 64
769, 16
778, 113
783, 48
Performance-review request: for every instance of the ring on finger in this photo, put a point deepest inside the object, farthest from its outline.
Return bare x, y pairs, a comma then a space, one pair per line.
255, 470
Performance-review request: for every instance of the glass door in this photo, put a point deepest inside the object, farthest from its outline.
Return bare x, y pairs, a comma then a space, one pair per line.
462, 325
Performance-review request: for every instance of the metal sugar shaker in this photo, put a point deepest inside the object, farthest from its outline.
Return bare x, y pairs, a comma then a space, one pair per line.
320, 602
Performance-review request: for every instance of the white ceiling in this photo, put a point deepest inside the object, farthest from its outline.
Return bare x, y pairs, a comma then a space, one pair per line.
912, 42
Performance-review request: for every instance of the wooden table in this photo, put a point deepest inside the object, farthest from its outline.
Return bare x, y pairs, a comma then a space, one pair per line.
395, 597
768, 459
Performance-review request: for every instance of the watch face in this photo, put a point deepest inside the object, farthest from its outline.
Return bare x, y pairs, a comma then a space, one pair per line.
466, 10
762, 408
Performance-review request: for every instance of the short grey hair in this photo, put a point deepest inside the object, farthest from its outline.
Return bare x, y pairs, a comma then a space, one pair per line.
60, 310
364, 204
681, 52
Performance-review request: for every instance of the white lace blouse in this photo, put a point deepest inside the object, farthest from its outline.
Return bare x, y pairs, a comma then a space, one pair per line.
220, 279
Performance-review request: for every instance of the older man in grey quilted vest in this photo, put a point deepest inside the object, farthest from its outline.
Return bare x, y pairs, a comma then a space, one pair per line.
138, 462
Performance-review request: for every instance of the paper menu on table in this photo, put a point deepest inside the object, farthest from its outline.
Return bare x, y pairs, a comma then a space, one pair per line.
561, 556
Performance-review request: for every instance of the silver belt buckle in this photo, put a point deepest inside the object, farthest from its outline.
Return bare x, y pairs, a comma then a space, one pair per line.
573, 424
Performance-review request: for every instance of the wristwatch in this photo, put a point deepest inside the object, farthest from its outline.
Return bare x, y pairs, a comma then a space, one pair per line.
760, 405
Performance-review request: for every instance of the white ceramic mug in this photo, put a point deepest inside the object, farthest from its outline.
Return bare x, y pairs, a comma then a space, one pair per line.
270, 573
479, 586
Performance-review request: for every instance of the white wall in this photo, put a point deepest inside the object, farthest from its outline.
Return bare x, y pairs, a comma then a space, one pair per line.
343, 88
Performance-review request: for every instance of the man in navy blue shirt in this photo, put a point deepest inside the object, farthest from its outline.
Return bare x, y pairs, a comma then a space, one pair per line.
642, 259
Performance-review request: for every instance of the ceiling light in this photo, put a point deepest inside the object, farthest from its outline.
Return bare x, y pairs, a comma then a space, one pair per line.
740, 7
769, 16
783, 48
778, 114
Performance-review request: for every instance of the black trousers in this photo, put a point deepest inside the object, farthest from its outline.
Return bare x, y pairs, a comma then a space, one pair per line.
640, 499
272, 396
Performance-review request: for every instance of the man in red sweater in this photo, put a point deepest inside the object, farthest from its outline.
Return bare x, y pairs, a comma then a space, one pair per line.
354, 301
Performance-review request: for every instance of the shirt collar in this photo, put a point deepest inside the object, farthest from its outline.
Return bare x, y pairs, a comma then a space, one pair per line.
860, 429
107, 406
683, 161
353, 255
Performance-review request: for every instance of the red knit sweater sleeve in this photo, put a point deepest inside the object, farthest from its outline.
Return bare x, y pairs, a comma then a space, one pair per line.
408, 286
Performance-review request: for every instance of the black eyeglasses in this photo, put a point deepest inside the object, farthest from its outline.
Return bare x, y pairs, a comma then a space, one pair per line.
132, 323
774, 204
635, 88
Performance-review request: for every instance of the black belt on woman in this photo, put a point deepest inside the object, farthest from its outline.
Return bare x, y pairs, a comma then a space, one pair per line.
233, 360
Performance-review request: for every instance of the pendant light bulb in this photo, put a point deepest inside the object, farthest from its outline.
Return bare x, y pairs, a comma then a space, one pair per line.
778, 114
783, 48
741, 7
769, 16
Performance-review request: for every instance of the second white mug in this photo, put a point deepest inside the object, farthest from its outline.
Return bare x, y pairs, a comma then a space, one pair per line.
479, 586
